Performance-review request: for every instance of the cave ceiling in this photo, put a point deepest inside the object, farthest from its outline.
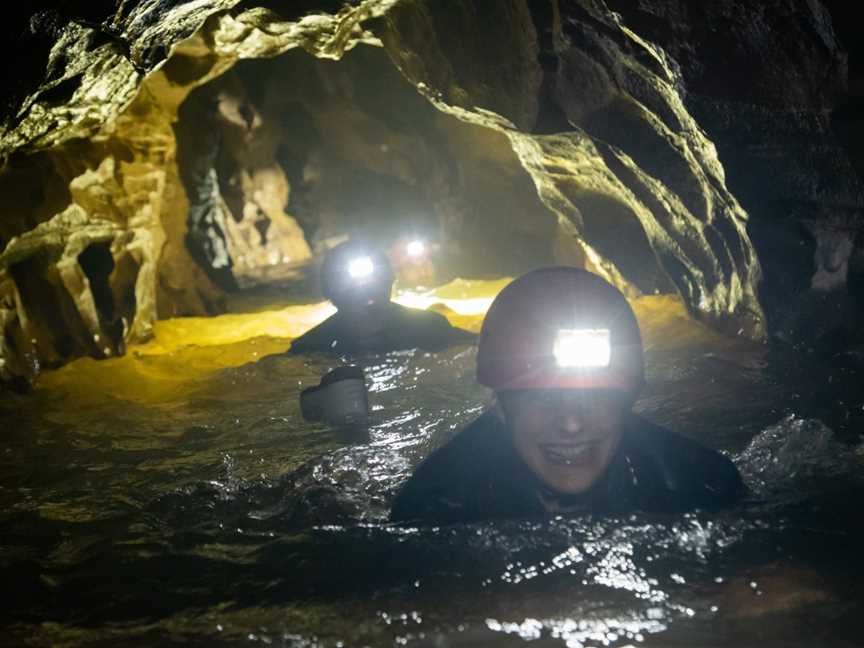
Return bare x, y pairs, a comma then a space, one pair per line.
158, 155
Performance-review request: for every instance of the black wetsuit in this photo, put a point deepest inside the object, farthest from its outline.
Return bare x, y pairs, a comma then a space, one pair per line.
478, 476
406, 328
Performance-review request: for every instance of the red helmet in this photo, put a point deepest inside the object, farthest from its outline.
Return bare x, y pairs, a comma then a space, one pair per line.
560, 328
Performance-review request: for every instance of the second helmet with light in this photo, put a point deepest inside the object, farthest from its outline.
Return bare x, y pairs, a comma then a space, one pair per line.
353, 270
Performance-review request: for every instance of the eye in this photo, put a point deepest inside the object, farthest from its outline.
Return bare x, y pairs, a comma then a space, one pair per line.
538, 398
551, 399
601, 405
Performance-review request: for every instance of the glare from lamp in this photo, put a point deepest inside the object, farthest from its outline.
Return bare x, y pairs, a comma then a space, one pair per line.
361, 267
415, 249
582, 348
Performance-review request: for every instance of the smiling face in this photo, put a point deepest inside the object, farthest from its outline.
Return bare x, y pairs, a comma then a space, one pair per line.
566, 437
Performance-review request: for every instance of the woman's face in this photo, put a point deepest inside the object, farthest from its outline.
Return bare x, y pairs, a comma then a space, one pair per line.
566, 437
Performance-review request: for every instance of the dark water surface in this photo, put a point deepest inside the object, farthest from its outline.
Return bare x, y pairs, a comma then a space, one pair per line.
213, 515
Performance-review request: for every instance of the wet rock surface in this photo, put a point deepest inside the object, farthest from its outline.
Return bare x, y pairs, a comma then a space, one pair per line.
237, 224
93, 132
775, 85
245, 135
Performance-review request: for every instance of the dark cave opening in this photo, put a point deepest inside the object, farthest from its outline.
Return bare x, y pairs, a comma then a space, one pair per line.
98, 264
58, 338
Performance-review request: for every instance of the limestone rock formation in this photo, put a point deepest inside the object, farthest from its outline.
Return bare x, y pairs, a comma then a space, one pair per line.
92, 142
59, 288
238, 228
629, 175
198, 146
766, 81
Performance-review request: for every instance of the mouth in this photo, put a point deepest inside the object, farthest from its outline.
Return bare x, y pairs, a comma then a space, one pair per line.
569, 454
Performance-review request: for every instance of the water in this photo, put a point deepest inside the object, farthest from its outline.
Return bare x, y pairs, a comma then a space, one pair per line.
176, 497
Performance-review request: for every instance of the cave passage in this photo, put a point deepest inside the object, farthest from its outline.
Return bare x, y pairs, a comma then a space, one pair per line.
174, 172
283, 157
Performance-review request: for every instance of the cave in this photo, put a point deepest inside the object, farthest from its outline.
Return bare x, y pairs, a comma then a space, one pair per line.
253, 144
172, 177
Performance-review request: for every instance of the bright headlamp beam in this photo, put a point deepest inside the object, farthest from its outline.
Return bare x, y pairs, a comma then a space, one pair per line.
361, 267
415, 248
582, 348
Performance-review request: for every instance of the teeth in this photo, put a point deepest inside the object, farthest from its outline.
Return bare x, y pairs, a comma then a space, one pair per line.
567, 453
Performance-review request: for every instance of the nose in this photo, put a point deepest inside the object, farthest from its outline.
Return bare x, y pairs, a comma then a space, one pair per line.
571, 423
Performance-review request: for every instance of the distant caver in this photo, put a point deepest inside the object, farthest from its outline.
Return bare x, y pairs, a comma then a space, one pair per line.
358, 279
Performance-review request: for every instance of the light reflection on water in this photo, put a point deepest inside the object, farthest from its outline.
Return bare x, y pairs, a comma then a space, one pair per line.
214, 515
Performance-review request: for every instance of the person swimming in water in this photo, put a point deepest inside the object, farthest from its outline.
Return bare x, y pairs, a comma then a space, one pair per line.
358, 280
562, 351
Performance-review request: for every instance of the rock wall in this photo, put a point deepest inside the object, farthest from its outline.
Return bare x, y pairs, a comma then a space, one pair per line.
770, 84
155, 156
96, 228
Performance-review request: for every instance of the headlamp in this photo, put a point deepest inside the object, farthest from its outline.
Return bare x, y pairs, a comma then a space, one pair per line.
415, 248
582, 348
361, 267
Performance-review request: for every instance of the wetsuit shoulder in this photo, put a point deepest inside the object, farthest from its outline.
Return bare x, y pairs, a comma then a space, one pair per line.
427, 329
678, 473
318, 338
448, 485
